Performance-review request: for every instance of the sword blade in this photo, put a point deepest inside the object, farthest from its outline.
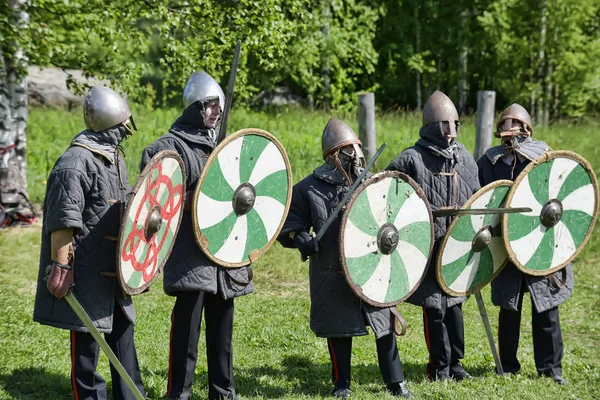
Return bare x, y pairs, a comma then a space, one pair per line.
488, 332
479, 211
229, 95
357, 182
83, 316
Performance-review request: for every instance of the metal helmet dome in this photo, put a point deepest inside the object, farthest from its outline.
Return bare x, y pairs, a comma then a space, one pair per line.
202, 87
514, 112
439, 108
103, 108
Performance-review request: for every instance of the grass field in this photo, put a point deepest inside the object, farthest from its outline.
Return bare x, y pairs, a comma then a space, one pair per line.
275, 353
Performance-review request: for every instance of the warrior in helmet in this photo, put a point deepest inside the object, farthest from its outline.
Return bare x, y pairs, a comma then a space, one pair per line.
336, 313
447, 173
85, 193
195, 281
506, 161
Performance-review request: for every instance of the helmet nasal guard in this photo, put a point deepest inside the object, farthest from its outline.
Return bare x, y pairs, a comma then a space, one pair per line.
439, 108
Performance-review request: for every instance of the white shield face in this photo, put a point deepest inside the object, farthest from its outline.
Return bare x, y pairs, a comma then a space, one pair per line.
385, 239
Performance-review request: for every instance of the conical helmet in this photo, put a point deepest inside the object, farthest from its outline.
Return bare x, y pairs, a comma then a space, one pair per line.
440, 108
103, 108
337, 135
514, 112
202, 87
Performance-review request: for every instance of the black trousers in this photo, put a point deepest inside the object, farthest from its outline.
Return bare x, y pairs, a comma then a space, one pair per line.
340, 352
547, 339
89, 384
185, 334
445, 337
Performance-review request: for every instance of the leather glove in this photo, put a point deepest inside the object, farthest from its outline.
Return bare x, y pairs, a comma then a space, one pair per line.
60, 278
306, 243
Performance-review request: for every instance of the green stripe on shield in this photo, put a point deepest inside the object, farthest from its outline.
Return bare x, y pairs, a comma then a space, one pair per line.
274, 185
542, 258
577, 178
218, 233
361, 268
361, 215
252, 148
215, 185
398, 192
257, 234
398, 286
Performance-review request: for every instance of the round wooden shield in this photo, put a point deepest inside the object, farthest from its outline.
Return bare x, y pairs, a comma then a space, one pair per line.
562, 190
243, 197
472, 252
386, 237
151, 222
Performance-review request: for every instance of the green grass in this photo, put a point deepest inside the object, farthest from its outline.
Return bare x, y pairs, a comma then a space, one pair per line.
275, 353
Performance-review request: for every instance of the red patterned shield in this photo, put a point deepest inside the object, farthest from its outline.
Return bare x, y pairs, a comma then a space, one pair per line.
151, 222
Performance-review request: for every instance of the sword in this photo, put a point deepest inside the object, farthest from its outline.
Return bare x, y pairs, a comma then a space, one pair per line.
83, 316
488, 332
229, 96
479, 211
346, 197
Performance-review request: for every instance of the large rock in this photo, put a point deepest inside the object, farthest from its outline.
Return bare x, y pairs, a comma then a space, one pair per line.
278, 97
48, 87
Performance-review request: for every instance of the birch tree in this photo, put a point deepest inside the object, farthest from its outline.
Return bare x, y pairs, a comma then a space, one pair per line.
13, 100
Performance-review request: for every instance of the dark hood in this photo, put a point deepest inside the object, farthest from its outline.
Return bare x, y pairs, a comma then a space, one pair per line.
432, 138
190, 126
103, 142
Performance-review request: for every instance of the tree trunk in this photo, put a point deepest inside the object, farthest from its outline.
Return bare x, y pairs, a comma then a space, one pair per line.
556, 105
13, 108
532, 99
541, 107
325, 66
462, 65
548, 94
311, 94
7, 139
438, 74
417, 50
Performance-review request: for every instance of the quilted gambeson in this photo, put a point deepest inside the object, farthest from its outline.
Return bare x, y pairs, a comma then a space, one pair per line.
86, 191
335, 311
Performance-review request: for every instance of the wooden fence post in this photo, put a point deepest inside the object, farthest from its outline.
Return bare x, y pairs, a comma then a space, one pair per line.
486, 102
366, 123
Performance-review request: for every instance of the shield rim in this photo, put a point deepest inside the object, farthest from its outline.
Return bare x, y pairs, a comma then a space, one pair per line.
548, 156
200, 238
155, 160
372, 180
438, 265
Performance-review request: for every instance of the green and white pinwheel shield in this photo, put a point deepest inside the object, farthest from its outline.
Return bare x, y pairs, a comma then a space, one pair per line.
472, 252
562, 190
386, 237
242, 199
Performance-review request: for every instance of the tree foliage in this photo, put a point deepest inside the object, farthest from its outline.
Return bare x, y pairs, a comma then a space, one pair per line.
543, 54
